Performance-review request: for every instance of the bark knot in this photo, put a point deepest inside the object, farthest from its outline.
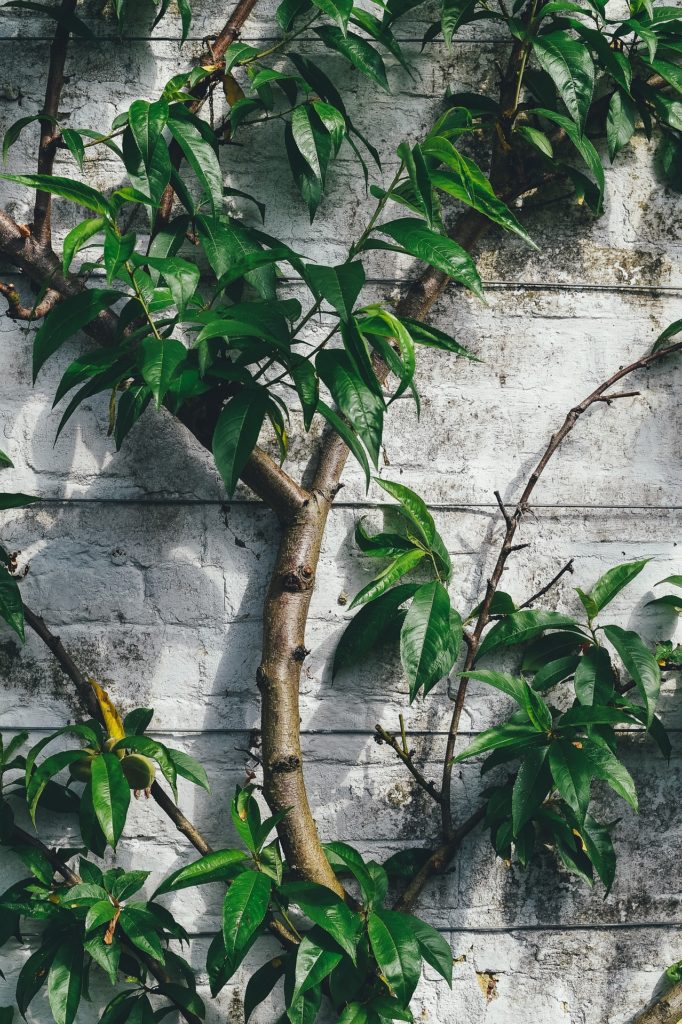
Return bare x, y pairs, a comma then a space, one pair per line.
298, 580
286, 764
300, 653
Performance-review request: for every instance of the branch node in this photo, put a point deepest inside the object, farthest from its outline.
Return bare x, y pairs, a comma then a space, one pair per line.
286, 764
298, 580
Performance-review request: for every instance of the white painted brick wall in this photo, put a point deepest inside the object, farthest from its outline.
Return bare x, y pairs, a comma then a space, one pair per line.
156, 584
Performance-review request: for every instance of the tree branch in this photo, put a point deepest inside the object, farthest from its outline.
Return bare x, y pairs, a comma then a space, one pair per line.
49, 133
382, 736
16, 310
666, 1010
548, 586
512, 522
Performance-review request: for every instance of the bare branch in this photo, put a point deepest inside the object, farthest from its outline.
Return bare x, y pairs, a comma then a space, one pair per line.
437, 862
382, 736
16, 310
598, 395
49, 133
548, 586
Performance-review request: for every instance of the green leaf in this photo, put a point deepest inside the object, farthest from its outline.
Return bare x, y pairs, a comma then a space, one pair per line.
413, 507
74, 143
117, 251
194, 139
181, 277
519, 627
580, 717
611, 583
532, 784
466, 181
340, 286
68, 317
307, 181
312, 139
673, 601
11, 606
147, 121
554, 672
41, 775
362, 407
140, 927
189, 768
317, 957
99, 913
392, 573
572, 772
327, 910
621, 121
599, 848
663, 340
64, 982
420, 178
568, 63
357, 50
8, 500
381, 545
307, 387
437, 250
346, 434
160, 359
396, 951
453, 14
517, 688
509, 734
368, 629
261, 984
428, 644
76, 191
536, 138
228, 244
581, 143
640, 663
606, 766
131, 405
338, 10
216, 866
14, 131
236, 434
110, 795
433, 947
594, 679
244, 910
77, 238
33, 975
402, 338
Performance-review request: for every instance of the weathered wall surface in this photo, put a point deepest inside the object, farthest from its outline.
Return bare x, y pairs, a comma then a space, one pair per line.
156, 584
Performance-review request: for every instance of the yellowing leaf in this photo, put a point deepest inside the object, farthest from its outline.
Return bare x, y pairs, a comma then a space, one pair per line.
113, 722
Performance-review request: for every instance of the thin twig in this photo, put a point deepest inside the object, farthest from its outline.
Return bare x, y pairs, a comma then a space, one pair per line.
16, 310
512, 521
381, 735
548, 586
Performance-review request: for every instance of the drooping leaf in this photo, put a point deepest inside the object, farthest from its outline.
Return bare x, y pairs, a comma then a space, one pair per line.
368, 628
194, 138
611, 584
519, 627
572, 772
261, 984
439, 251
64, 982
362, 407
212, 867
110, 795
569, 64
244, 910
429, 643
76, 191
11, 605
68, 317
640, 663
347, 434
357, 50
160, 359
413, 507
392, 573
236, 433
594, 679
396, 951
340, 286
316, 958
327, 910
532, 784
433, 948
621, 121
581, 143
606, 766
78, 237
509, 734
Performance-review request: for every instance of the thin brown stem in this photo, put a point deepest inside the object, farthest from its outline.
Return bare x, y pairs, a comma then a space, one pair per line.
16, 310
512, 522
405, 755
667, 1009
548, 586
42, 212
